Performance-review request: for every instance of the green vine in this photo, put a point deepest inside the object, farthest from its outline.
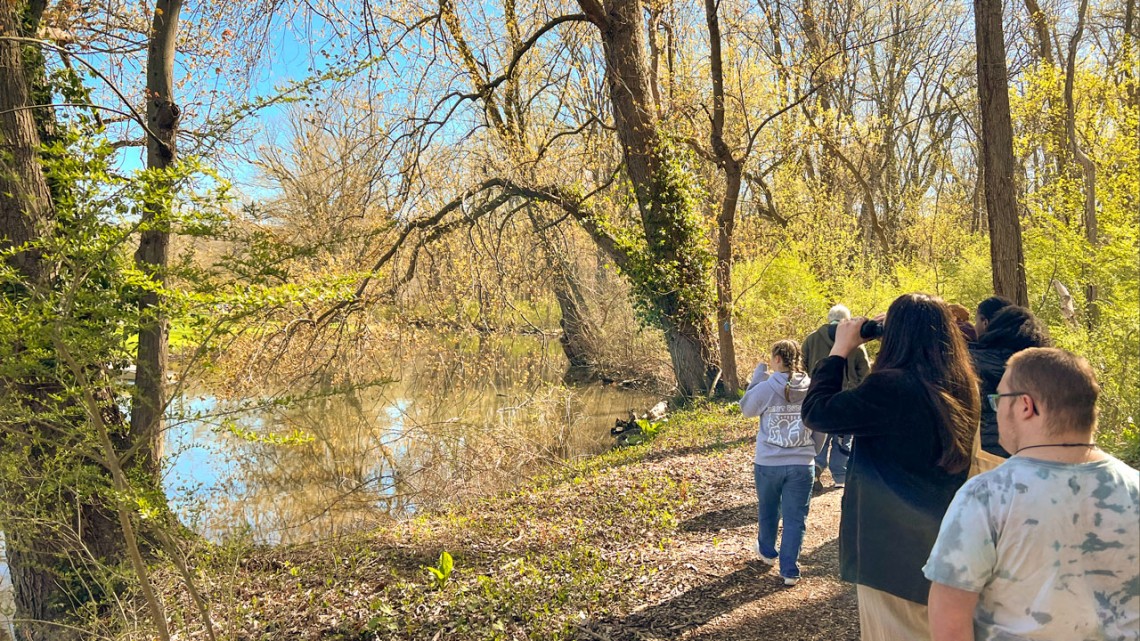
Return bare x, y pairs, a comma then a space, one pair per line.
669, 266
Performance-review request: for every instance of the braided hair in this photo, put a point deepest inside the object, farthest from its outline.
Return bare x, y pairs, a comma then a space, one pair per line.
789, 351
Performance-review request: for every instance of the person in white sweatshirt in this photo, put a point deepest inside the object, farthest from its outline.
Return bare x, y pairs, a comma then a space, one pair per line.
785, 449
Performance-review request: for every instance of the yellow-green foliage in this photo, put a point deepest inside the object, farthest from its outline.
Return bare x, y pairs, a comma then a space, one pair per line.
780, 297
786, 276
1057, 246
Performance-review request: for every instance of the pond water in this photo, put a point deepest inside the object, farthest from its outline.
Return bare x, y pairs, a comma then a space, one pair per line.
466, 416
426, 422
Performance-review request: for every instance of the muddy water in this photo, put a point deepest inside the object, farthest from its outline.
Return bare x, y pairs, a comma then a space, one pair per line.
443, 420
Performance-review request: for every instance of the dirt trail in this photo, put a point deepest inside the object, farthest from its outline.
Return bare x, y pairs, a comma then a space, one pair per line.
712, 587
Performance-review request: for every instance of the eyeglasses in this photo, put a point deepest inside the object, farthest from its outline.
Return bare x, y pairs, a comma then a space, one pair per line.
993, 399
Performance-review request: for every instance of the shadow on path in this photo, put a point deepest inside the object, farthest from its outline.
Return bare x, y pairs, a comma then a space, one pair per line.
660, 455
830, 618
729, 517
812, 617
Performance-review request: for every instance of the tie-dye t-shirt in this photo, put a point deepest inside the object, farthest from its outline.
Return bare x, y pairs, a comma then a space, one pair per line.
1052, 549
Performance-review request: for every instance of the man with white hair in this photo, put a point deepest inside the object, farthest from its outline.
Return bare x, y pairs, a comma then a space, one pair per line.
816, 347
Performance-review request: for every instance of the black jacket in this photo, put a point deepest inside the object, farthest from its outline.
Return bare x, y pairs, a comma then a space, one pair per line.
1011, 330
896, 494
989, 363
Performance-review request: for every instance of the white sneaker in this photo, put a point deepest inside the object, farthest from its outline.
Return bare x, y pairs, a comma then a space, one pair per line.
790, 581
767, 560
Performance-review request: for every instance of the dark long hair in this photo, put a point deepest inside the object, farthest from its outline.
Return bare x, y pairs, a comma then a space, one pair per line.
921, 338
1015, 328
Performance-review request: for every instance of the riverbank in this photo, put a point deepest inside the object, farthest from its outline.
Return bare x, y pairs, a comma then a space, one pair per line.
647, 542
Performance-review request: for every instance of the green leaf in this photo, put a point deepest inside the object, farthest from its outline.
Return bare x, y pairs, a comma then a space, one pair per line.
446, 563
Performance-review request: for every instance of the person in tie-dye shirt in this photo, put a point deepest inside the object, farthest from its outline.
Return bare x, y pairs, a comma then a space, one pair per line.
1046, 546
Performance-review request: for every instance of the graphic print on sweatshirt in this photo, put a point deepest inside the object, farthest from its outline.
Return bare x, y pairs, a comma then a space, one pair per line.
785, 429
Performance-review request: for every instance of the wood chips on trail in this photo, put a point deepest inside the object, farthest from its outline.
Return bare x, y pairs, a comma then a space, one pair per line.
713, 588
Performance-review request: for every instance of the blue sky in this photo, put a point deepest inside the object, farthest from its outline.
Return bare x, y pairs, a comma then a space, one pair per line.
288, 58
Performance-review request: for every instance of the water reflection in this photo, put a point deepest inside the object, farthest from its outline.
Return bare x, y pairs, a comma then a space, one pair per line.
468, 416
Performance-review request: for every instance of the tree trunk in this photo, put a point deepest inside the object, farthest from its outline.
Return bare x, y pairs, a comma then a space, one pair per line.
691, 354
51, 549
827, 163
34, 589
579, 336
1040, 31
577, 332
726, 217
25, 200
725, 225
671, 276
26, 214
1055, 118
672, 242
149, 395
1006, 254
35, 74
655, 58
39, 563
977, 198
1127, 50
1088, 167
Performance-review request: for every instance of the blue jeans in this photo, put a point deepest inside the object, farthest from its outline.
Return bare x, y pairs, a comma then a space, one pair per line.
838, 460
783, 490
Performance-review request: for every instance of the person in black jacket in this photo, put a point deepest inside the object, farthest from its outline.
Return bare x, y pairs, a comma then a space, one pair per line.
987, 309
1008, 332
914, 419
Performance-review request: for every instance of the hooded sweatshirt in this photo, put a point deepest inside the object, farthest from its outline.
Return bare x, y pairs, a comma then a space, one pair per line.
783, 439
1011, 330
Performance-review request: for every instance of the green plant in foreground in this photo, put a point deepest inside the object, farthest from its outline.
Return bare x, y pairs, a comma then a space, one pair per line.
442, 572
649, 430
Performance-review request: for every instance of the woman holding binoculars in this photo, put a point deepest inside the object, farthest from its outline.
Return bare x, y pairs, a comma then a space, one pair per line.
913, 418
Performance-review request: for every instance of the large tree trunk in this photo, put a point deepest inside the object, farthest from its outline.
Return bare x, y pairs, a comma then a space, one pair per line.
25, 200
34, 589
149, 398
51, 546
1006, 254
26, 214
671, 241
579, 337
40, 560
